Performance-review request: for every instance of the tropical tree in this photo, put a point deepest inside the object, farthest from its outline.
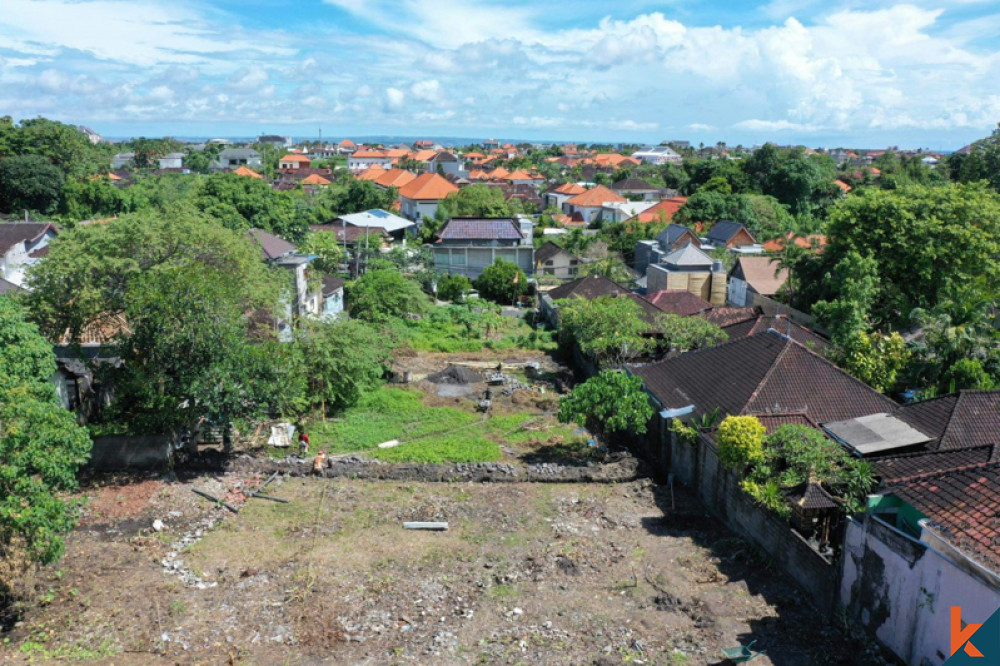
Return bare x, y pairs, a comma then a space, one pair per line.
611, 402
382, 295
686, 333
476, 201
41, 449
608, 329
29, 182
502, 282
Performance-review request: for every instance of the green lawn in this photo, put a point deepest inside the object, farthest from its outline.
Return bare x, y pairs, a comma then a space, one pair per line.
430, 434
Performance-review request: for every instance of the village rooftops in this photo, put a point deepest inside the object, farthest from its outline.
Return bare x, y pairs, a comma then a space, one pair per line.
957, 420
12, 233
875, 433
679, 302
595, 198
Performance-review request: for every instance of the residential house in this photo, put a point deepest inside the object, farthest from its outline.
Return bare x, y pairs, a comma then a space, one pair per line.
589, 205
376, 218
657, 155
305, 299
362, 159
755, 275
467, 245
729, 234
122, 160
744, 322
233, 158
372, 173
93, 137
928, 541
346, 147
636, 188
555, 261
292, 162
556, 197
172, 161
421, 196
521, 177
448, 164
672, 238
22, 245
689, 269
588, 287
333, 296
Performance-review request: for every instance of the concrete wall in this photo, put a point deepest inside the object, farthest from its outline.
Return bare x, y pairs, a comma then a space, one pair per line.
697, 465
122, 452
901, 590
470, 261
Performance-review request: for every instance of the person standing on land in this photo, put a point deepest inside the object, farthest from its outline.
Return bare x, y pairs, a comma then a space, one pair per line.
303, 444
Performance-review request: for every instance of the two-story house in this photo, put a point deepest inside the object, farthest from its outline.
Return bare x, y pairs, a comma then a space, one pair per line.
420, 197
467, 245
233, 158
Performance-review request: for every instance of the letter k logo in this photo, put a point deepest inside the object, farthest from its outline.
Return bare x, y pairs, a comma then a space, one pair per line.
960, 636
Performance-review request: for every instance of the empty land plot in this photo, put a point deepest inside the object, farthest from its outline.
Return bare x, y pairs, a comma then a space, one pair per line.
526, 574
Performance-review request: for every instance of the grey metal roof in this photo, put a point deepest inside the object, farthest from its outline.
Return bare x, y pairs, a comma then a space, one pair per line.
377, 218
471, 228
672, 234
875, 433
724, 230
688, 257
271, 247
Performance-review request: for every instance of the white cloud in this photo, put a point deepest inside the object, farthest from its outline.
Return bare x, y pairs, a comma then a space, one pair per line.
394, 99
426, 91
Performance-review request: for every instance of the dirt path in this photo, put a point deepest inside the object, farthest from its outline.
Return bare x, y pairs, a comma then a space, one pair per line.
528, 573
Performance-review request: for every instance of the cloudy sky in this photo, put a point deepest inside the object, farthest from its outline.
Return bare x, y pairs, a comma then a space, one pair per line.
922, 73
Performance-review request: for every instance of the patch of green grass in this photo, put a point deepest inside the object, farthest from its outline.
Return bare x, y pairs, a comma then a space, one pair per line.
502, 591
457, 448
78, 652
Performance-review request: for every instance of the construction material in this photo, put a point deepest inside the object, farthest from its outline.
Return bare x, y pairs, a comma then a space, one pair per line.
434, 527
455, 374
214, 499
268, 497
392, 443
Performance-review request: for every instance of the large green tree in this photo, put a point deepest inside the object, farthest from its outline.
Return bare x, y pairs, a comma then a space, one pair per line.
611, 402
502, 282
608, 329
476, 201
384, 294
188, 292
29, 182
41, 446
920, 240
242, 203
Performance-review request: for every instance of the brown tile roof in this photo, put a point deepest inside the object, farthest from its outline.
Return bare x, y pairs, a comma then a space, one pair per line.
370, 153
395, 178
964, 505
12, 233
957, 420
727, 316
427, 187
647, 311
595, 196
549, 250
782, 325
423, 155
589, 287
767, 372
633, 184
762, 273
271, 247
896, 468
8, 287
347, 143
679, 302
295, 158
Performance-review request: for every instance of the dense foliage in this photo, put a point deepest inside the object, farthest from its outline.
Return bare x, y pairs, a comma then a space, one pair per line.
741, 441
502, 282
41, 446
607, 329
381, 295
611, 402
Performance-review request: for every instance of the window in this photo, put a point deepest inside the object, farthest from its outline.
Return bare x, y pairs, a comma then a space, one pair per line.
573, 262
548, 263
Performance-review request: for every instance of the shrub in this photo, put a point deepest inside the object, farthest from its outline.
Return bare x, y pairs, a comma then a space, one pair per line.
741, 441
452, 287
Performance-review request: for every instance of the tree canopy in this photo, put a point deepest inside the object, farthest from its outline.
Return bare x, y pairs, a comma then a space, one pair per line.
384, 294
41, 446
502, 282
611, 402
609, 329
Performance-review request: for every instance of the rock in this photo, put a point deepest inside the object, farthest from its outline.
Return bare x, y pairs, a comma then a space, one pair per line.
517, 611
158, 525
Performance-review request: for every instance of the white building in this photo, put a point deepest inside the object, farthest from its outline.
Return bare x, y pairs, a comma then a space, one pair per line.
657, 155
22, 245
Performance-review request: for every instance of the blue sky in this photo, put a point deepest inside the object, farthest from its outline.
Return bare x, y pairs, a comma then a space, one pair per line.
918, 73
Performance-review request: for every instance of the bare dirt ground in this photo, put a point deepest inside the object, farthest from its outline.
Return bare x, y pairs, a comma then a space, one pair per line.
528, 573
